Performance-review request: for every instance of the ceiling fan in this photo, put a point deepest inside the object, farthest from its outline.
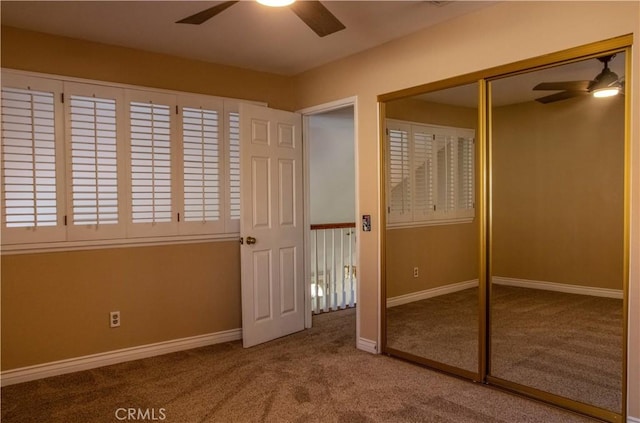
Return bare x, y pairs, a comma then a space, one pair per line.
312, 12
606, 83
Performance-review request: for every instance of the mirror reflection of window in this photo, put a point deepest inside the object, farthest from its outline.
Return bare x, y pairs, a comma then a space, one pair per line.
432, 232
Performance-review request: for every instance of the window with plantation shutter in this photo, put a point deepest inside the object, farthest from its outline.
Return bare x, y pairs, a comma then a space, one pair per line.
31, 178
88, 163
430, 174
94, 148
399, 175
151, 163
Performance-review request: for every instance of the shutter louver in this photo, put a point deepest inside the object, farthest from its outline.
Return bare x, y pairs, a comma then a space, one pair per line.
94, 171
150, 163
234, 165
452, 160
399, 174
201, 165
465, 187
29, 158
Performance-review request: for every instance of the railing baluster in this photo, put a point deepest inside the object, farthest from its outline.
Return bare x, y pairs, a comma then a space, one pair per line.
351, 295
333, 278
325, 271
343, 279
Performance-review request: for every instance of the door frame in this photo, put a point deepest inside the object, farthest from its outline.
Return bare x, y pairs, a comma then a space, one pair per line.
306, 113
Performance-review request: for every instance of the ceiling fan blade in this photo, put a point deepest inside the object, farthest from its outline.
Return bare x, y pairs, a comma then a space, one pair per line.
317, 17
560, 96
563, 85
207, 14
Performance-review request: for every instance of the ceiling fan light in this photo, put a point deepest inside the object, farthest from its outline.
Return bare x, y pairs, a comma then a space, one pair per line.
606, 92
276, 3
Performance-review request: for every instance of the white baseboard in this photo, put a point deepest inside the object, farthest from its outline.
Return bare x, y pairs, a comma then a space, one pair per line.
40, 371
367, 345
559, 287
430, 293
633, 419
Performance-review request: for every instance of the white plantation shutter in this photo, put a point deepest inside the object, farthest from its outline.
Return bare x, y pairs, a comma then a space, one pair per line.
399, 190
151, 163
31, 178
446, 174
93, 148
91, 162
424, 175
202, 132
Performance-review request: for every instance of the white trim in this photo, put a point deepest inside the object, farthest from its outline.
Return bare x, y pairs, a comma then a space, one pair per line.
367, 345
431, 292
327, 107
633, 419
40, 371
46, 247
559, 287
421, 224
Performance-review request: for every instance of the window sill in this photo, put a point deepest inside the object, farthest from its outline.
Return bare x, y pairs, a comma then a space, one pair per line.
439, 222
49, 247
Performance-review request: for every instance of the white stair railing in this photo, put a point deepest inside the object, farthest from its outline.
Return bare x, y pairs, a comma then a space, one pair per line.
333, 270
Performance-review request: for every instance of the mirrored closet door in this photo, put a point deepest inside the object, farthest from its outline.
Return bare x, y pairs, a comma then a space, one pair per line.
506, 217
557, 231
432, 228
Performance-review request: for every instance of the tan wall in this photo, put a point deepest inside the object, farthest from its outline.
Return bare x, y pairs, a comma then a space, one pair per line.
437, 114
56, 305
444, 255
37, 52
503, 33
558, 179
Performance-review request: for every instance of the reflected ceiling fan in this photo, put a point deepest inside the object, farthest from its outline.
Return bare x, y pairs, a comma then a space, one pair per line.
312, 12
605, 84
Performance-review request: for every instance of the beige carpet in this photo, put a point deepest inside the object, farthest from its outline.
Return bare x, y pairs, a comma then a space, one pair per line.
314, 376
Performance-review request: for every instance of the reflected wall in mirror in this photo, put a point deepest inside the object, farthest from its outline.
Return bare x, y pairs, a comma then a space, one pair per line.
557, 226
431, 239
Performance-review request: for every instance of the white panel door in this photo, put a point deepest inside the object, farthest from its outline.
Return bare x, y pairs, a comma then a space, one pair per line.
271, 224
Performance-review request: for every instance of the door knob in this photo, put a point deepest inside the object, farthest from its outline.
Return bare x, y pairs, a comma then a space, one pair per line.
251, 240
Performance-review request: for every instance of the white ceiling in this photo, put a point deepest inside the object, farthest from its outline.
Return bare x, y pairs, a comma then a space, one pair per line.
246, 35
253, 36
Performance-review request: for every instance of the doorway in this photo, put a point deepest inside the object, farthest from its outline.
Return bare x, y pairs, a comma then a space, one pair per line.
330, 208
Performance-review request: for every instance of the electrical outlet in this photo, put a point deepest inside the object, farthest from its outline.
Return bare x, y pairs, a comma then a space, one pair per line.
415, 272
114, 319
